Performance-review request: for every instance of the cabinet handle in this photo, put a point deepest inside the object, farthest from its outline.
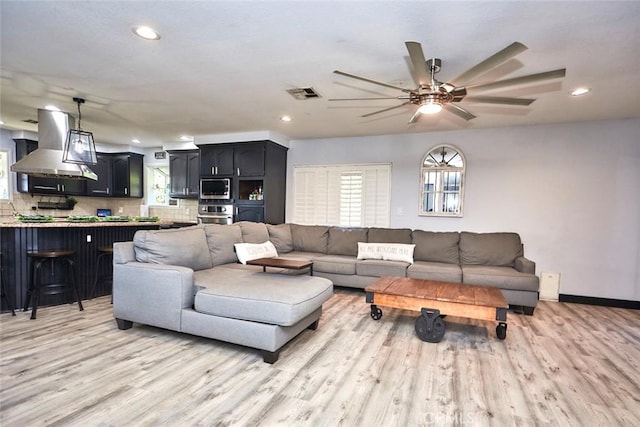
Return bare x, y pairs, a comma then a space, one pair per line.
238, 170
44, 187
213, 170
108, 190
126, 191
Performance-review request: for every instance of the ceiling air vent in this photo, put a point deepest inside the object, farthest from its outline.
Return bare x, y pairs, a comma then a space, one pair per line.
31, 121
303, 93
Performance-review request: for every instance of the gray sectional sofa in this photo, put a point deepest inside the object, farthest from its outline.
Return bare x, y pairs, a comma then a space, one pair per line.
190, 280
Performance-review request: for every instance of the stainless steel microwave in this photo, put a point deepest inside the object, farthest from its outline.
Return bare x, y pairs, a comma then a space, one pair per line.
215, 188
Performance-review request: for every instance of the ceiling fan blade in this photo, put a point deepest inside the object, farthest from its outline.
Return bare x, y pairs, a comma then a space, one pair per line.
364, 79
499, 100
416, 116
491, 62
386, 109
548, 75
459, 111
419, 63
368, 99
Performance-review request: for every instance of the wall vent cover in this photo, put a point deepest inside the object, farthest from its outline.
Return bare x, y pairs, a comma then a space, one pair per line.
303, 93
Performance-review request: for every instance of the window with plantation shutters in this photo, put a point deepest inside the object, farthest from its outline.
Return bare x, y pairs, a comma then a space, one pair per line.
342, 195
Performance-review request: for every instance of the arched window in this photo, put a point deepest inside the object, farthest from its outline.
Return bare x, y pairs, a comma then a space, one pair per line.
442, 181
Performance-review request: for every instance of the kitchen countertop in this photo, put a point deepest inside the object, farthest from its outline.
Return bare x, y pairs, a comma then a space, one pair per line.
61, 222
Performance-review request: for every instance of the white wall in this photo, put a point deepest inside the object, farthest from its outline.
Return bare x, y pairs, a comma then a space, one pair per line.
572, 191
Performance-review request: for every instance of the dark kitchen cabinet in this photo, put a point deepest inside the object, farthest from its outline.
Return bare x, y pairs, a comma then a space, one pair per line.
103, 187
249, 158
216, 160
127, 170
23, 147
258, 177
184, 170
249, 213
57, 186
42, 185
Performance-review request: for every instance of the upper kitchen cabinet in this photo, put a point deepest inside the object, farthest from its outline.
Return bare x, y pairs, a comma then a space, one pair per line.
249, 158
127, 169
216, 160
103, 187
184, 170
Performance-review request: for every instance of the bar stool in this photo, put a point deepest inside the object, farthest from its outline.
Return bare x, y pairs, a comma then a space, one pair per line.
5, 294
36, 287
105, 252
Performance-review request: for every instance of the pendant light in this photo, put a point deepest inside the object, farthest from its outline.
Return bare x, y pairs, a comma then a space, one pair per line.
79, 147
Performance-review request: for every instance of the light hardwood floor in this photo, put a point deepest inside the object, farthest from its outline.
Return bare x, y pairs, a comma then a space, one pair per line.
569, 364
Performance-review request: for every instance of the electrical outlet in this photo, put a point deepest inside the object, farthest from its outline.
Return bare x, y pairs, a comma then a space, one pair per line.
120, 209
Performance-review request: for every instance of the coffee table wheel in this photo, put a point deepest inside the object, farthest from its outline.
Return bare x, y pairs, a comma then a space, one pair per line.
501, 330
376, 313
430, 327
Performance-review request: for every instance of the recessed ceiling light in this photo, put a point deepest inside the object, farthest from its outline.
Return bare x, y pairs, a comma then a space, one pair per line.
286, 118
135, 141
146, 33
51, 108
580, 91
1, 122
186, 138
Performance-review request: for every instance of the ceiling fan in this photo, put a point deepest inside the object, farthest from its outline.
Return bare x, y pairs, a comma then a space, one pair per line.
431, 95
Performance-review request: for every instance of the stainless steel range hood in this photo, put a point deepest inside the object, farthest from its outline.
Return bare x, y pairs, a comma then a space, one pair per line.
46, 160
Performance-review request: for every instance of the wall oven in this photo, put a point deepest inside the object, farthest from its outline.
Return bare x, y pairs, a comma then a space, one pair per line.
215, 214
215, 188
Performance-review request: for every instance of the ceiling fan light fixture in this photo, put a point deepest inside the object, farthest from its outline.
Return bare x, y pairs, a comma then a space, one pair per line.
431, 106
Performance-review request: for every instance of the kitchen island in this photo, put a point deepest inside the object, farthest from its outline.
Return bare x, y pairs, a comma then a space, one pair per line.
16, 238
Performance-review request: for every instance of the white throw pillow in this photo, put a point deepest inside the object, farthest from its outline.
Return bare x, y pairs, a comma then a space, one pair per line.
386, 251
248, 251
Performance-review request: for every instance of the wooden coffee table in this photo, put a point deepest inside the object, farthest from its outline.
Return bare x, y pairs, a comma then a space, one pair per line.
434, 300
288, 263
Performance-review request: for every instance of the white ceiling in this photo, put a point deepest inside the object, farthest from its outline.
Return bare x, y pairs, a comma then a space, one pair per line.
224, 67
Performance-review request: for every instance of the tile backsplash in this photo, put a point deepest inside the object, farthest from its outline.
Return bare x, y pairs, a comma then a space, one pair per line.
186, 211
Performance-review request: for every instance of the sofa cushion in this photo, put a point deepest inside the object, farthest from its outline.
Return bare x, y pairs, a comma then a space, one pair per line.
380, 268
337, 264
499, 249
344, 241
248, 251
499, 277
440, 271
186, 247
310, 238
386, 251
280, 236
258, 297
253, 232
220, 239
389, 235
436, 246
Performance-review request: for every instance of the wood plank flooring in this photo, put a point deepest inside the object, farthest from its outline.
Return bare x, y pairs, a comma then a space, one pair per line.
569, 364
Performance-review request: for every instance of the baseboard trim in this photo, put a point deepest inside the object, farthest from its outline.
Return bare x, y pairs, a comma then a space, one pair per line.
606, 302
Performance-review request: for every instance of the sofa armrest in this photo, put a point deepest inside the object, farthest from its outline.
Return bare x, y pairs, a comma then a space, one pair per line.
524, 265
152, 294
123, 252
